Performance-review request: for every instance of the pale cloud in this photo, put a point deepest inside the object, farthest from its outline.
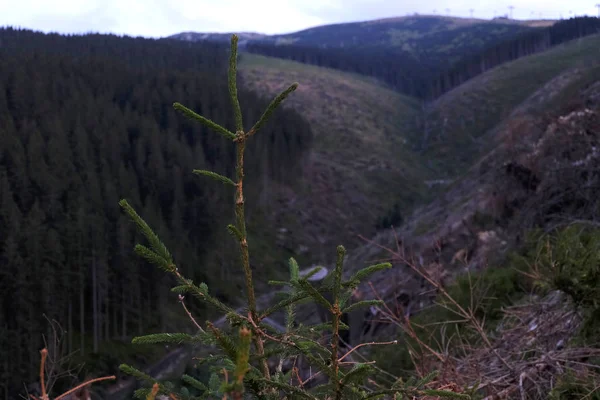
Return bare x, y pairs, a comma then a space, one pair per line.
157, 18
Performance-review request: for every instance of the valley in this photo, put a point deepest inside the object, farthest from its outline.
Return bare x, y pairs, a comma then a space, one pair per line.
349, 159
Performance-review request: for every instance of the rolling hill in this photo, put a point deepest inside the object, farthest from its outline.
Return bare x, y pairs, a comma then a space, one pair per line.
521, 125
417, 35
374, 148
359, 165
421, 56
459, 127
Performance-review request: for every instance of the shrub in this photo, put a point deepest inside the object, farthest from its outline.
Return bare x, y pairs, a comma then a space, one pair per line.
573, 387
485, 293
569, 260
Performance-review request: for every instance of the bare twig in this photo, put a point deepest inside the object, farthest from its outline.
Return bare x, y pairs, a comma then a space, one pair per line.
181, 298
461, 311
89, 382
365, 344
44, 352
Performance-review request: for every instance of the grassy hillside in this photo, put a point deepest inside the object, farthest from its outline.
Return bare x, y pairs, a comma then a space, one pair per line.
457, 128
359, 165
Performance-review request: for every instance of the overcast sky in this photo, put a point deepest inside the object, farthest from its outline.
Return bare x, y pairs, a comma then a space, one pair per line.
158, 18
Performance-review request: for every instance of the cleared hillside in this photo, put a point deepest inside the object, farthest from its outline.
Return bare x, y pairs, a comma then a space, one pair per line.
457, 128
359, 165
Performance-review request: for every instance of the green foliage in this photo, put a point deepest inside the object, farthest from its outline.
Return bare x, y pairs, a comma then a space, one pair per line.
569, 260
244, 367
489, 291
570, 386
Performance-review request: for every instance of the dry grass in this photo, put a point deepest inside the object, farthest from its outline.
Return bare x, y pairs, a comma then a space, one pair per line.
76, 393
524, 357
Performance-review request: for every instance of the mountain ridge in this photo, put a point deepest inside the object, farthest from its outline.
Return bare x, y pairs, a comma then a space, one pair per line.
458, 21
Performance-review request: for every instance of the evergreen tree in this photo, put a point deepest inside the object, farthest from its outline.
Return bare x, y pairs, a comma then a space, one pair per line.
247, 348
89, 127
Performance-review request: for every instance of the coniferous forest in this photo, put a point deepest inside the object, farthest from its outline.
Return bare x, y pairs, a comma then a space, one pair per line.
431, 72
86, 121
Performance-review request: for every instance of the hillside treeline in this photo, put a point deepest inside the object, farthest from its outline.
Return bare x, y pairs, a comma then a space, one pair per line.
524, 44
437, 67
430, 44
84, 122
398, 69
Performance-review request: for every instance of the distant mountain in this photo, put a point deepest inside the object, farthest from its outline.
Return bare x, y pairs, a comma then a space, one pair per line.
404, 52
244, 37
411, 33
417, 35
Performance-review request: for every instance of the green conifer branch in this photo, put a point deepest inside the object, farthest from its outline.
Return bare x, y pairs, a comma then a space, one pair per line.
153, 258
213, 358
311, 273
272, 106
360, 275
224, 342
294, 269
205, 121
357, 374
215, 176
176, 338
157, 246
181, 289
294, 298
445, 393
288, 388
241, 365
337, 315
337, 273
237, 111
146, 393
362, 303
278, 283
194, 383
201, 292
136, 373
309, 289
328, 326
235, 232
426, 379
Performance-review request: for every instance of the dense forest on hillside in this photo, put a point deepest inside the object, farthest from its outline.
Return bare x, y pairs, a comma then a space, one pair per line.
435, 63
397, 68
523, 45
84, 122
